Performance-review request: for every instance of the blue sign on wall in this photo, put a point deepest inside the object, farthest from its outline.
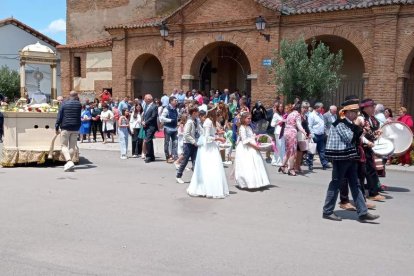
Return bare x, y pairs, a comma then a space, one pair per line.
267, 62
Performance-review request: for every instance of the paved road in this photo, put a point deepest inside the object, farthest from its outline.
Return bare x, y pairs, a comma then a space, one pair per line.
124, 217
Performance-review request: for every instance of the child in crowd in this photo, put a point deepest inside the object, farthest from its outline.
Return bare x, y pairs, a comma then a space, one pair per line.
191, 135
123, 132
250, 171
180, 150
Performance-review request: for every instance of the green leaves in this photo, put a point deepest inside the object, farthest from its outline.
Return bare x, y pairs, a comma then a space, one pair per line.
9, 82
307, 71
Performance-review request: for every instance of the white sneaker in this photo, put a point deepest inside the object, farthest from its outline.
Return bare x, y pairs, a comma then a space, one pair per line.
123, 157
134, 156
68, 166
180, 180
227, 162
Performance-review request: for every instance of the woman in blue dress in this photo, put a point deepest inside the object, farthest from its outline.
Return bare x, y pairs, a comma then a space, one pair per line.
85, 129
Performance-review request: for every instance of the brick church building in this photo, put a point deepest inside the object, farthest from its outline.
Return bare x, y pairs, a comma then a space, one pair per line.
215, 44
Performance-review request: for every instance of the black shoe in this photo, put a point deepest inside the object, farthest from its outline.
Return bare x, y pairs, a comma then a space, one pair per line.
310, 168
148, 160
368, 216
326, 167
332, 216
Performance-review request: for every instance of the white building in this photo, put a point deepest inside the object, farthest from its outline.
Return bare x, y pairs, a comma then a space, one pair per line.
14, 36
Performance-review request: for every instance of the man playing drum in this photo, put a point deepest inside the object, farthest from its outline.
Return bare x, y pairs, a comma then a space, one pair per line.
371, 133
342, 151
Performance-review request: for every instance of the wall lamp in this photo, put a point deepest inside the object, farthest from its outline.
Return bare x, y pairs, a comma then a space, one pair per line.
260, 26
164, 33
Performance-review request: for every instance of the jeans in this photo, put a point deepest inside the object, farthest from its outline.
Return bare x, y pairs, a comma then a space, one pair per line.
346, 169
344, 195
320, 147
123, 140
68, 141
173, 136
190, 150
371, 174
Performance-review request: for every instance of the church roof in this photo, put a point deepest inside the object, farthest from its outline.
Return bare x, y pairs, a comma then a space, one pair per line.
28, 29
288, 7
87, 44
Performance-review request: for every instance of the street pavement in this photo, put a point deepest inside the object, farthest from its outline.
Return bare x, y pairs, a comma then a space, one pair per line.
125, 217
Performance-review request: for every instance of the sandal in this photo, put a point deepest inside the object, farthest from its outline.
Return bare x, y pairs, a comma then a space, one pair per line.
292, 173
282, 169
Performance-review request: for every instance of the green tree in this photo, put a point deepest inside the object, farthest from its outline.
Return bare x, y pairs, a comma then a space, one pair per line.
307, 71
9, 82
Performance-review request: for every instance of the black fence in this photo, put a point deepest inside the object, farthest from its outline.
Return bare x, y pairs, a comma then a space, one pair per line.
346, 88
408, 97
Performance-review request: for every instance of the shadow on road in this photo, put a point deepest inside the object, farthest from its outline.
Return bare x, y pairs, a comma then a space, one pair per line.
266, 188
352, 215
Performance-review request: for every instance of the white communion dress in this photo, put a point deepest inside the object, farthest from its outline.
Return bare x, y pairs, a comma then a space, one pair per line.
209, 178
250, 171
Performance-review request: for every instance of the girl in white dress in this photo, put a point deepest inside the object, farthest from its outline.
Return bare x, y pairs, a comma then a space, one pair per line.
250, 171
209, 178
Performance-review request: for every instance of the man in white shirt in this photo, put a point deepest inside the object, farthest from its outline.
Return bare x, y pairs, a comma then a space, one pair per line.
165, 100
317, 128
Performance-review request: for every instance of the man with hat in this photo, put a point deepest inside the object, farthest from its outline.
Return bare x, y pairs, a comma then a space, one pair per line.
371, 127
341, 150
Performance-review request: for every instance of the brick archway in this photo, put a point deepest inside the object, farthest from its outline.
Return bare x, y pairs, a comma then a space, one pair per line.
404, 56
221, 65
194, 53
147, 75
363, 46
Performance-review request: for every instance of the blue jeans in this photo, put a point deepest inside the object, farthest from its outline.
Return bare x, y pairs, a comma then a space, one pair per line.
190, 150
173, 136
347, 169
123, 140
320, 147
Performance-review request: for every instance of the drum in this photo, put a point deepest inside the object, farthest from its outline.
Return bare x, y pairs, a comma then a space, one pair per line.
399, 134
383, 147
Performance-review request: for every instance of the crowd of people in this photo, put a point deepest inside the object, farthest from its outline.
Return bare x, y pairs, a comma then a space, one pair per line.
207, 130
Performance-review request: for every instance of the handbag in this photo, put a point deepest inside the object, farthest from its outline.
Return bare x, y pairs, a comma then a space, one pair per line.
312, 147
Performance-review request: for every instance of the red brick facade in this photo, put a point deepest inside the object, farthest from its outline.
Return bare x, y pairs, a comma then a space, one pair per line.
383, 36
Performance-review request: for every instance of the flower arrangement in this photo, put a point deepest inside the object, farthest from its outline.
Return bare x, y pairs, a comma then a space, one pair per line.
41, 108
264, 142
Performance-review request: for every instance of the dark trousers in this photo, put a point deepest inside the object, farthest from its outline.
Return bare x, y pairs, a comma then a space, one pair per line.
136, 143
371, 174
1, 125
344, 190
320, 147
173, 137
190, 151
95, 127
149, 143
346, 169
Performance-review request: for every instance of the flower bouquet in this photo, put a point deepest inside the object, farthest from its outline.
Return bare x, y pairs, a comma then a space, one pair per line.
264, 142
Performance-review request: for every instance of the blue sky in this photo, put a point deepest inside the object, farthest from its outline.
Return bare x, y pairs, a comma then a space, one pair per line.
46, 16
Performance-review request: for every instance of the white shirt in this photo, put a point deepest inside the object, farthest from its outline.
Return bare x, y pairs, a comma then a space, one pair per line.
316, 123
203, 107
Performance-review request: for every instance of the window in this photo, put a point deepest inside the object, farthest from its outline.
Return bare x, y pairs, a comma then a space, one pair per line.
77, 67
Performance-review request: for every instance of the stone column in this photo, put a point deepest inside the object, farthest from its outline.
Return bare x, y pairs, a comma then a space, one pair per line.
22, 79
53, 90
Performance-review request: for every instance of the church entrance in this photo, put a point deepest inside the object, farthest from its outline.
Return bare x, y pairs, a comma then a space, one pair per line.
221, 65
148, 76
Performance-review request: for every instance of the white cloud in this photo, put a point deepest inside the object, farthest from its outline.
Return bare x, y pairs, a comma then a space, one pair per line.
56, 26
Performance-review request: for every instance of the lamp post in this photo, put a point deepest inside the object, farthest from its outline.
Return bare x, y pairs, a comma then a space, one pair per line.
164, 31
260, 26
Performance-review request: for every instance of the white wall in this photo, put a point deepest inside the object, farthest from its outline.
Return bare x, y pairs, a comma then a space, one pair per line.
13, 39
95, 60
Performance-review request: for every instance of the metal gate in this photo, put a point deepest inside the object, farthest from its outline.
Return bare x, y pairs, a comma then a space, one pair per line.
346, 88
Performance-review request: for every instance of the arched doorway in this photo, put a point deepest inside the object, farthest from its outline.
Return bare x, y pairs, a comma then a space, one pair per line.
221, 65
148, 76
408, 96
352, 72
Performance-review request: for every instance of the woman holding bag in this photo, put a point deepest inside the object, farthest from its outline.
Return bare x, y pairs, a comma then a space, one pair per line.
303, 140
